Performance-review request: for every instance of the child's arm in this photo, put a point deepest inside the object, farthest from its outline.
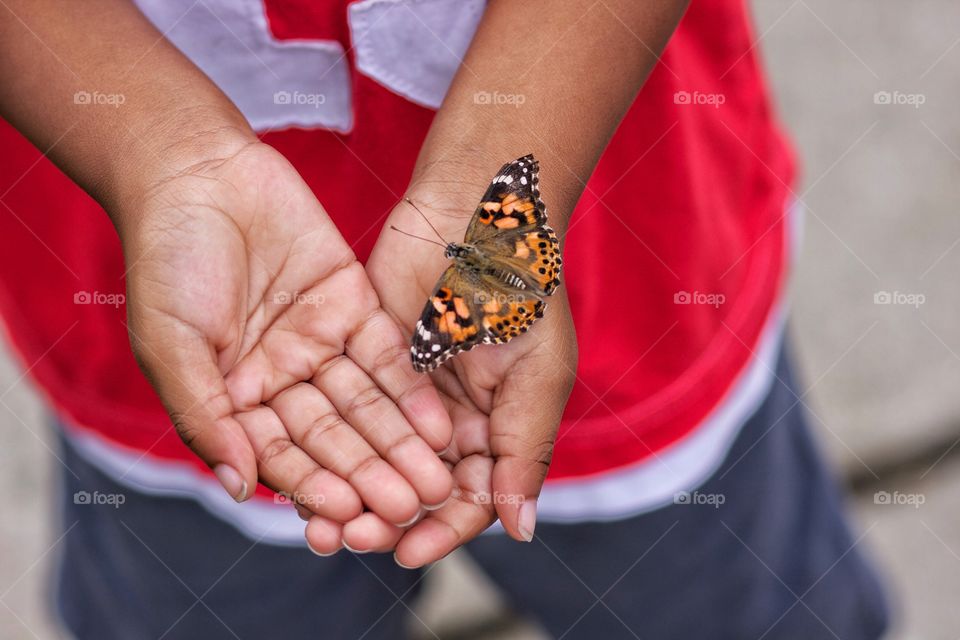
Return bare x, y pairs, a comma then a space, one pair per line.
574, 69
565, 72
220, 236
170, 110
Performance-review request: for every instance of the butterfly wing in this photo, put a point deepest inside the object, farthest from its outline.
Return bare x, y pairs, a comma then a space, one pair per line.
448, 324
505, 312
512, 201
530, 254
462, 313
510, 227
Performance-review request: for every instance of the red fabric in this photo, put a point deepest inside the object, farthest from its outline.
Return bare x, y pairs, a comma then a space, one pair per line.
692, 200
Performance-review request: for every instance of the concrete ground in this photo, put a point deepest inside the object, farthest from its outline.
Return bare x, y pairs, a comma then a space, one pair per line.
881, 190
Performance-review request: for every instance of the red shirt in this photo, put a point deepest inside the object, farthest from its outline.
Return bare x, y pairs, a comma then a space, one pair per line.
674, 260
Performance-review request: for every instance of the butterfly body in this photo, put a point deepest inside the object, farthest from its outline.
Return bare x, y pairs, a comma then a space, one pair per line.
507, 264
474, 265
466, 255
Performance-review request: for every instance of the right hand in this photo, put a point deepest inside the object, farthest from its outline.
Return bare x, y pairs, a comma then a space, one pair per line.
266, 342
506, 401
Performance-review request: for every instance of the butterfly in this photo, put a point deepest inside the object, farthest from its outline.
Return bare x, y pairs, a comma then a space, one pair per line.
508, 262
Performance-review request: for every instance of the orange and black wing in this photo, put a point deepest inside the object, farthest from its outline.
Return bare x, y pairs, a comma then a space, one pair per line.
512, 201
448, 324
510, 228
522, 252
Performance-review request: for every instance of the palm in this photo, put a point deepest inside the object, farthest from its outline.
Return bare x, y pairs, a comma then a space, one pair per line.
505, 402
266, 341
210, 237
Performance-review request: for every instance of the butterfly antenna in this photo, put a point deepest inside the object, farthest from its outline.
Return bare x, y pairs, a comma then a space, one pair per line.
410, 202
418, 237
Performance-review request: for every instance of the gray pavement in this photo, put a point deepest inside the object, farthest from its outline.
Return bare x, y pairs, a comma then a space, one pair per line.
881, 191
881, 188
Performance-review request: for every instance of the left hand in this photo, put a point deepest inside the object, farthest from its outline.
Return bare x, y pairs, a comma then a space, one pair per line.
265, 339
505, 401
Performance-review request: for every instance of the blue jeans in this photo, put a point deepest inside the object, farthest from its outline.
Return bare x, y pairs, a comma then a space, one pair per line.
762, 550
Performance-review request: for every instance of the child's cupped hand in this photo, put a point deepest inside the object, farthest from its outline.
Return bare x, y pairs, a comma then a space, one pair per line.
267, 343
505, 401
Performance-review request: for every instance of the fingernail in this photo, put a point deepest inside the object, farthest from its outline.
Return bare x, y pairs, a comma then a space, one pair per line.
527, 520
400, 564
351, 549
317, 553
231, 480
411, 520
434, 507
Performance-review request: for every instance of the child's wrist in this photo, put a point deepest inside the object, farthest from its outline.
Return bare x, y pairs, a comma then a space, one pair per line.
450, 188
177, 145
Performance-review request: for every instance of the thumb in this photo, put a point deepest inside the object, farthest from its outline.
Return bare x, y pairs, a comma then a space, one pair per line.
181, 366
522, 434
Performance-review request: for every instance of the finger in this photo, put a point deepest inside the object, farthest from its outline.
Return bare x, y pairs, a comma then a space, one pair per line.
314, 326
283, 466
522, 436
379, 347
323, 536
472, 433
318, 429
181, 366
312, 329
375, 416
468, 514
369, 532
